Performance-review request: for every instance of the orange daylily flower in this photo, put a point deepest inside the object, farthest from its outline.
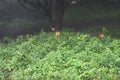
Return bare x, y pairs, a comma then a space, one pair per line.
101, 35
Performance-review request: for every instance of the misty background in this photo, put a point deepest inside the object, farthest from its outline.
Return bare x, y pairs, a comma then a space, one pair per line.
16, 20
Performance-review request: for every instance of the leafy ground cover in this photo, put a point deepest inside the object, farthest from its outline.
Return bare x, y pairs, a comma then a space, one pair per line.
71, 56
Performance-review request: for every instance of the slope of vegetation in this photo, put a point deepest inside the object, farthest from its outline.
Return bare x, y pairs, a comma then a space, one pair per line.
71, 56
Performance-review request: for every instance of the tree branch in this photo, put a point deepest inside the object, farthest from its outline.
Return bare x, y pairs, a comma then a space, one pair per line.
30, 9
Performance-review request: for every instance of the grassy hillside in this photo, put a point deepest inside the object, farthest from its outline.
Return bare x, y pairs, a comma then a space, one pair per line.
71, 56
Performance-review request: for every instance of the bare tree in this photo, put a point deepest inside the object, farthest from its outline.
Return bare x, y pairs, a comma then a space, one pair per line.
53, 9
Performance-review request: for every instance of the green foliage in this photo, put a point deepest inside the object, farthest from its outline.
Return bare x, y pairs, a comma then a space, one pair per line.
71, 56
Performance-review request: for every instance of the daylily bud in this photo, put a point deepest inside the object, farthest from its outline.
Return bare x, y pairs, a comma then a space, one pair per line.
52, 28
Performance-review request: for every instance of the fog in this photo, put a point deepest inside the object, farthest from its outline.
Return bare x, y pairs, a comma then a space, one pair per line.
16, 20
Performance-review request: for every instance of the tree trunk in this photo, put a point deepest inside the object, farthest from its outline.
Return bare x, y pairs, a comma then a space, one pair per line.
59, 12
